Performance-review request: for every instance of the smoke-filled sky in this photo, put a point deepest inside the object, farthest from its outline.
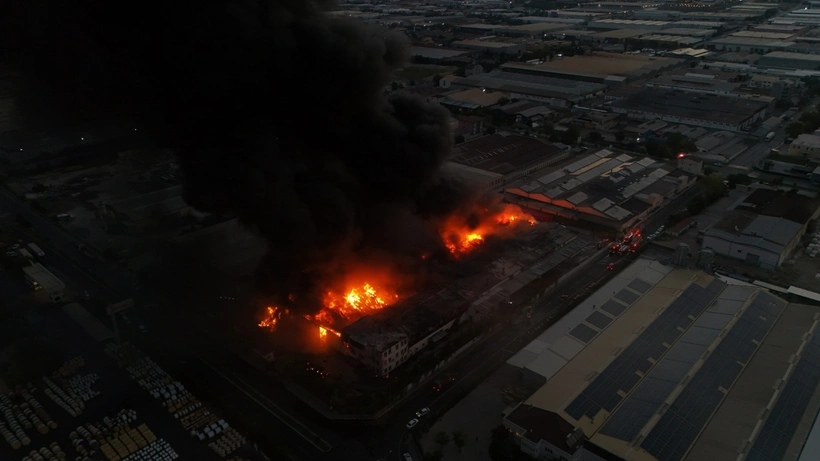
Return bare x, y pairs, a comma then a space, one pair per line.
277, 111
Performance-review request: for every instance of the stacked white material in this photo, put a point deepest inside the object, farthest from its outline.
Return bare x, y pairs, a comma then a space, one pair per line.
81, 386
62, 398
158, 450
229, 442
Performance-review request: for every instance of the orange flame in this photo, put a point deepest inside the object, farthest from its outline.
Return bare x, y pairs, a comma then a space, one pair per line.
351, 306
460, 238
274, 314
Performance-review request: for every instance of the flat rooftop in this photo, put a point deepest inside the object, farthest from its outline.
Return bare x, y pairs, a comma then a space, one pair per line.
789, 55
44, 277
599, 183
435, 53
512, 82
707, 107
598, 65
678, 364
503, 154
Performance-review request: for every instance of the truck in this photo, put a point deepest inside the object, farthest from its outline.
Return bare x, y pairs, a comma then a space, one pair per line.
25, 253
443, 382
770, 136
36, 250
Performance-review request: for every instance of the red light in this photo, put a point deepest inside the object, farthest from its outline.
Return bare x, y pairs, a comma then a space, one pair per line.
681, 155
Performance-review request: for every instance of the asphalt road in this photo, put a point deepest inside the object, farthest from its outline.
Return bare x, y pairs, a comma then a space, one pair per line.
113, 284
496, 349
759, 151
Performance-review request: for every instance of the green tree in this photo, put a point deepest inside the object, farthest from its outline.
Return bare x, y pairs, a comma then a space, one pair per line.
459, 439
442, 439
570, 136
459, 139
595, 137
674, 141
620, 136
696, 204
713, 187
502, 445
795, 129
489, 130
434, 456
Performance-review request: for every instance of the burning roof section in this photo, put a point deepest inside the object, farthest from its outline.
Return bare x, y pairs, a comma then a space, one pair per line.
605, 184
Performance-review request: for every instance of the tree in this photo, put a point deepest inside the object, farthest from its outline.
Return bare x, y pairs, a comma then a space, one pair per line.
570, 136
442, 439
674, 141
620, 136
489, 130
459, 139
434, 456
459, 439
595, 137
713, 187
502, 445
30, 359
795, 129
695, 205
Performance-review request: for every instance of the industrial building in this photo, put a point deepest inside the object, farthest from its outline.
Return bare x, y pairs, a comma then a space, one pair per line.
149, 206
748, 44
628, 24
391, 336
605, 188
495, 160
705, 84
708, 111
488, 46
435, 53
556, 92
672, 364
806, 145
787, 60
763, 228
598, 67
40, 278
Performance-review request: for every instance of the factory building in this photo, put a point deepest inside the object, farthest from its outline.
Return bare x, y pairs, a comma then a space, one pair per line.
605, 188
488, 46
555, 92
806, 145
495, 160
748, 44
628, 24
671, 364
611, 69
763, 229
40, 278
786, 60
386, 339
708, 111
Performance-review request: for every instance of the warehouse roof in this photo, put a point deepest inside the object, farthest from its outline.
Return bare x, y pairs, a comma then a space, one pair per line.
435, 53
44, 277
788, 55
674, 368
599, 183
513, 82
713, 108
503, 154
597, 64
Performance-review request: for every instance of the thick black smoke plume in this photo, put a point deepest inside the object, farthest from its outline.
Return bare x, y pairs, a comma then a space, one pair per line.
277, 111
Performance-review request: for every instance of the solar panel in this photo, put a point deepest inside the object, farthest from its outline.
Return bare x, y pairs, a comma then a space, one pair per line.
627, 296
613, 308
621, 374
778, 429
698, 335
679, 426
639, 285
685, 352
725, 306
599, 320
670, 370
713, 320
584, 333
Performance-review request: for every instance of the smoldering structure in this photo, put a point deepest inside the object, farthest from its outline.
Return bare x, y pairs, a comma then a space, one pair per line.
277, 111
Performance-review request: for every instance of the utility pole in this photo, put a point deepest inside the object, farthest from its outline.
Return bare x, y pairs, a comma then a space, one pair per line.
113, 310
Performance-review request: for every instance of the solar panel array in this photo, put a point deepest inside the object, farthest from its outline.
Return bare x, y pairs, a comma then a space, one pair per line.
614, 308
598, 320
583, 333
652, 392
622, 373
779, 428
680, 425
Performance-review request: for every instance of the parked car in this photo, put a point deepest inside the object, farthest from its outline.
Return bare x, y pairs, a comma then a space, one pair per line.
423, 412
412, 423
407, 457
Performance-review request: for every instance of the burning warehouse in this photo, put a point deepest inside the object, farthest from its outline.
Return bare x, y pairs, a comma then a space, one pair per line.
382, 334
388, 338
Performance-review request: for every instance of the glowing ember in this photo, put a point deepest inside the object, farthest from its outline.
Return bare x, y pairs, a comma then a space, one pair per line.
323, 331
356, 303
274, 314
460, 238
